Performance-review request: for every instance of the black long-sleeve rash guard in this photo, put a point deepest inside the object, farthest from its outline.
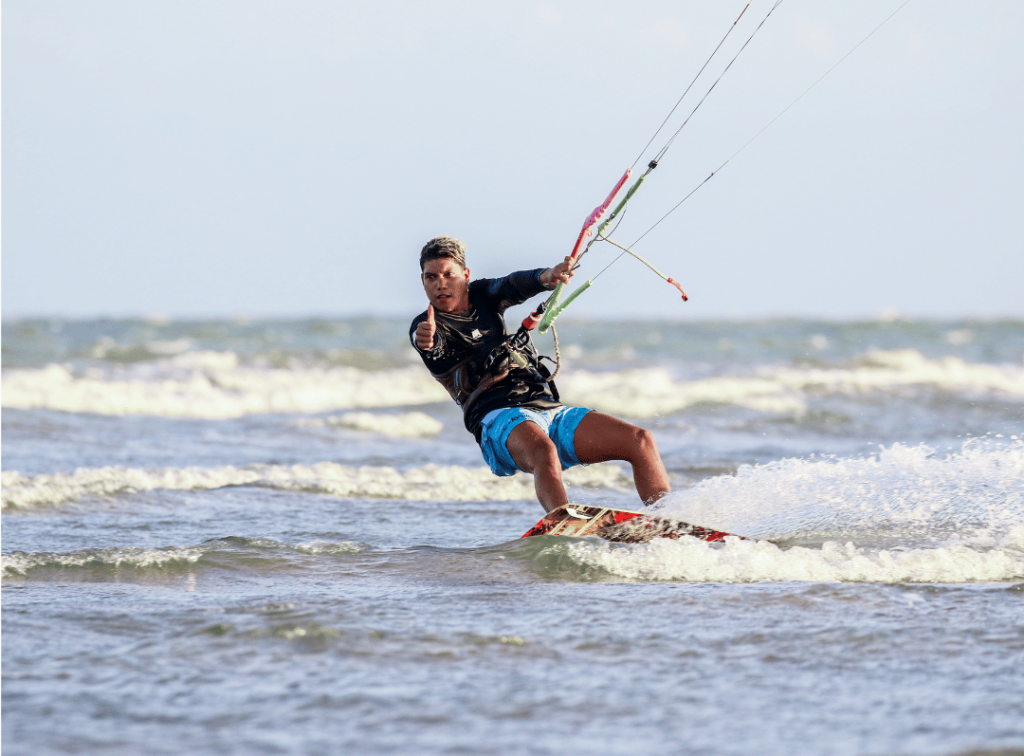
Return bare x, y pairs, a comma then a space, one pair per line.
464, 340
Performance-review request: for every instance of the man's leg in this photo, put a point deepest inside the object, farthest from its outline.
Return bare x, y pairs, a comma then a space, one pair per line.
535, 453
603, 438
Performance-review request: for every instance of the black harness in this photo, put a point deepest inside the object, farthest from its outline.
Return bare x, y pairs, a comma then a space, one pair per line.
518, 350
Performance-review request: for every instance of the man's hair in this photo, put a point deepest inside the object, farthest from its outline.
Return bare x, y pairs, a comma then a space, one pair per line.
441, 247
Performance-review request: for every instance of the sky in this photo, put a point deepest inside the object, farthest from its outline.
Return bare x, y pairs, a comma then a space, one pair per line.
225, 158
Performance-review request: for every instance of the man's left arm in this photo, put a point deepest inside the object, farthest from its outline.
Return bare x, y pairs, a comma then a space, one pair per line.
518, 287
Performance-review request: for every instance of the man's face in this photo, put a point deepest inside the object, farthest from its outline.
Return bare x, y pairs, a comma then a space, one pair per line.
447, 285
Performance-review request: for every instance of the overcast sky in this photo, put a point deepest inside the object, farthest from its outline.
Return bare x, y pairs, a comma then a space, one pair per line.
225, 157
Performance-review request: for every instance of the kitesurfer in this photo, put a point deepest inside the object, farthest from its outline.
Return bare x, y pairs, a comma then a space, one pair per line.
508, 403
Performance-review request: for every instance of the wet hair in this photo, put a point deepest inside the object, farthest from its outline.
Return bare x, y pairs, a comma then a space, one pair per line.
441, 247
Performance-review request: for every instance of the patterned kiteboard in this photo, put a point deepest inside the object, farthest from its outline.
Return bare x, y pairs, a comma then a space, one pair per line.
617, 525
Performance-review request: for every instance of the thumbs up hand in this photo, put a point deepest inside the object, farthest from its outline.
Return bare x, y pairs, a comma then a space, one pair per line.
425, 330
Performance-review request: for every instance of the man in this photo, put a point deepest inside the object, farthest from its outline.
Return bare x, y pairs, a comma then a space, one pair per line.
507, 402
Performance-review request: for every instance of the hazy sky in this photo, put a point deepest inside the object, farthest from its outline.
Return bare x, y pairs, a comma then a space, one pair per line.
290, 158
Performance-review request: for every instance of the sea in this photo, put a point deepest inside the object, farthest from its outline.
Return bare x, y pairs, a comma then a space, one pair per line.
275, 536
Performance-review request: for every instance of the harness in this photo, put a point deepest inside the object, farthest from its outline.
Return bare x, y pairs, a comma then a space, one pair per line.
469, 379
518, 350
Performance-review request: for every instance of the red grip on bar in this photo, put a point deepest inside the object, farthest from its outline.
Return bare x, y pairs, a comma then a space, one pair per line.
532, 320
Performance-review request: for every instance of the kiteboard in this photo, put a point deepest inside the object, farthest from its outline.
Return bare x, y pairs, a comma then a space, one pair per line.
617, 525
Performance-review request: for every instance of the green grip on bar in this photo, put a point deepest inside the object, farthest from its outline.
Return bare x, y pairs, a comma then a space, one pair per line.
554, 312
622, 204
553, 299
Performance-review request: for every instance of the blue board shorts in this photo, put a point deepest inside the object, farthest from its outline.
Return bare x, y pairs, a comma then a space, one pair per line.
559, 424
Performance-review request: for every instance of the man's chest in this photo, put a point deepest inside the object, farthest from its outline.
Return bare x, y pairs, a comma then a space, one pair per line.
478, 329
471, 337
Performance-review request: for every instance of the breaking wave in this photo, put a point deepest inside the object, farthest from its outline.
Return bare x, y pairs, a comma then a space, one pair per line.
904, 515
427, 483
207, 384
214, 385
652, 392
901, 494
132, 560
748, 561
405, 425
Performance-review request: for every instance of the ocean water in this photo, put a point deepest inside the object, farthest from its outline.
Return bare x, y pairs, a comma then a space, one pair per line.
275, 536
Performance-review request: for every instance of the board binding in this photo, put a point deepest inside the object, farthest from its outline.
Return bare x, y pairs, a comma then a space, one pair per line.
618, 525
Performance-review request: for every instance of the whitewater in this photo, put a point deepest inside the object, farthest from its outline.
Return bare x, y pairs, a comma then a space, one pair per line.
276, 536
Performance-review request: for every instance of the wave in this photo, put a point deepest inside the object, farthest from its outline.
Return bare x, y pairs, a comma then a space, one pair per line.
133, 558
207, 384
427, 483
972, 495
651, 392
405, 425
214, 385
687, 559
139, 561
904, 515
881, 369
748, 561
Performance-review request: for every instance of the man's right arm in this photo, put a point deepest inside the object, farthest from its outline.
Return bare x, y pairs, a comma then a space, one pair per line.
425, 330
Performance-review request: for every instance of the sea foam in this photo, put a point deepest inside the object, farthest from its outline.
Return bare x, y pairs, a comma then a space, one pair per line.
426, 483
135, 558
214, 385
904, 494
206, 384
748, 561
156, 560
646, 393
404, 425
905, 514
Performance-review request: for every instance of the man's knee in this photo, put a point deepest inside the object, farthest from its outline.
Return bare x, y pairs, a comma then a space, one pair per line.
644, 443
542, 454
532, 450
